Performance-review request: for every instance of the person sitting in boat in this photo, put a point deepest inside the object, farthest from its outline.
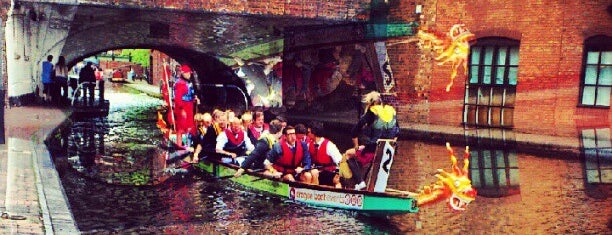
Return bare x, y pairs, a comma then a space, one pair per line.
289, 159
325, 157
256, 159
353, 175
258, 127
219, 121
301, 133
247, 121
230, 115
205, 140
283, 121
380, 122
233, 142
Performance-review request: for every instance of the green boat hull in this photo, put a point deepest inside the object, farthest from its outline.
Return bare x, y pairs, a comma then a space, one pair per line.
366, 202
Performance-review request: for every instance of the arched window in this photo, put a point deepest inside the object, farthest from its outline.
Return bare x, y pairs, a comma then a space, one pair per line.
491, 89
597, 72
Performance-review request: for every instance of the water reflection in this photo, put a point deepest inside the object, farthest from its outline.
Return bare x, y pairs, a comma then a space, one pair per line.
552, 197
494, 170
597, 152
118, 163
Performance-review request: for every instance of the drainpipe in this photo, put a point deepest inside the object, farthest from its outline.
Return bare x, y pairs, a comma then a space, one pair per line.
2, 90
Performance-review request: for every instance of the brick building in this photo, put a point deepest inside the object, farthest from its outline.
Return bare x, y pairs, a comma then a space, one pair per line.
536, 66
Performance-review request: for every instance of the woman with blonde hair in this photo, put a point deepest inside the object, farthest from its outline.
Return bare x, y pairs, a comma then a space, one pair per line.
378, 122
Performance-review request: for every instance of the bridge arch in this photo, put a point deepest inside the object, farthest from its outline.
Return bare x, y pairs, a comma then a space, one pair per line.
194, 35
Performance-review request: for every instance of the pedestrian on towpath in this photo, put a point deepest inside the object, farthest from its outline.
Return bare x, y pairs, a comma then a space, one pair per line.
47, 79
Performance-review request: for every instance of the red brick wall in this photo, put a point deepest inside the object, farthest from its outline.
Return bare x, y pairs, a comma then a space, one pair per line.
157, 65
551, 35
339, 9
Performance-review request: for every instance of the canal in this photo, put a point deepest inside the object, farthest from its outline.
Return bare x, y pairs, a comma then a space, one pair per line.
115, 178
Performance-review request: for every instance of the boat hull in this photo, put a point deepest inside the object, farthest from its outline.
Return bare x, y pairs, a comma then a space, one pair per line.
372, 203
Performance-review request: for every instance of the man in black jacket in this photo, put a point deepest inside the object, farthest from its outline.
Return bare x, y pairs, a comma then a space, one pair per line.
87, 74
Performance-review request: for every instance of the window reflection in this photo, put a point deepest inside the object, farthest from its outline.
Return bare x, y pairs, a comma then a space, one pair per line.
493, 169
597, 151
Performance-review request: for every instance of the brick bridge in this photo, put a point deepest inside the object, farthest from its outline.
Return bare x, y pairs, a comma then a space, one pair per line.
197, 32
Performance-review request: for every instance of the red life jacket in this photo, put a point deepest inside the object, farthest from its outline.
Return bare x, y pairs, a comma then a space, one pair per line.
256, 133
233, 138
289, 161
235, 142
320, 157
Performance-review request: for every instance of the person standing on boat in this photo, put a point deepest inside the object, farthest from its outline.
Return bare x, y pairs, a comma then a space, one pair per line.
234, 142
258, 127
289, 158
184, 99
325, 157
256, 159
378, 122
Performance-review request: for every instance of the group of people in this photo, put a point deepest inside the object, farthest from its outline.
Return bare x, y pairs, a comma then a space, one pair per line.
55, 81
293, 153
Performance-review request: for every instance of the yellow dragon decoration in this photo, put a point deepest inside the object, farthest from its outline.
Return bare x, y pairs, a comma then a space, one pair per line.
455, 186
451, 48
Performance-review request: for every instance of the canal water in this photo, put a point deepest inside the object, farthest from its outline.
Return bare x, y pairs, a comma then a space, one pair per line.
116, 180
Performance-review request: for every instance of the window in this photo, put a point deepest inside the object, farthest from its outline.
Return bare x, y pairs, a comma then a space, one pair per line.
491, 89
597, 72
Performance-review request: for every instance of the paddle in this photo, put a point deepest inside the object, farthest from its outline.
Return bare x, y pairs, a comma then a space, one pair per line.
177, 155
401, 192
261, 178
173, 147
230, 176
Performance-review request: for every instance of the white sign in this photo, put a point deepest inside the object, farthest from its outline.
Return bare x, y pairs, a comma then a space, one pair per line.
326, 198
385, 167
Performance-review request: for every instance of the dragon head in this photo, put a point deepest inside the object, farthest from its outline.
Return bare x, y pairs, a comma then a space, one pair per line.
454, 186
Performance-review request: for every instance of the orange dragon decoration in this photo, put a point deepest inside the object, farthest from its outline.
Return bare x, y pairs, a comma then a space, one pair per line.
453, 47
455, 186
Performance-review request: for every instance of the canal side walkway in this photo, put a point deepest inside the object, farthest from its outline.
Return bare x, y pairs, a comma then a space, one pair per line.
32, 199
